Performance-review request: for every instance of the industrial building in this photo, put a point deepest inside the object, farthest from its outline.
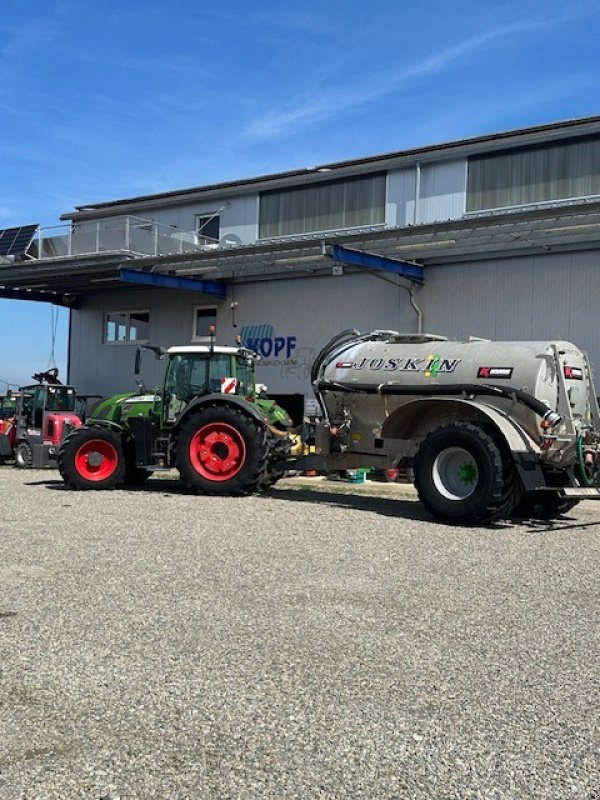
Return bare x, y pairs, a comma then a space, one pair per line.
496, 236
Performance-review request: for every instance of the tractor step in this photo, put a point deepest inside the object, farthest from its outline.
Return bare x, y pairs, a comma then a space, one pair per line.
584, 492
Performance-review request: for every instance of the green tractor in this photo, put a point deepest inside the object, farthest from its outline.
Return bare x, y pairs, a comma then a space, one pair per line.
207, 419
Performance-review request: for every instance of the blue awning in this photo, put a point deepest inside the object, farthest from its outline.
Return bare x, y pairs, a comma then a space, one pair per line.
173, 282
358, 258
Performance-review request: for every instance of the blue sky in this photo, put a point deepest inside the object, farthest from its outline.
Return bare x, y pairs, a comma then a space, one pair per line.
116, 98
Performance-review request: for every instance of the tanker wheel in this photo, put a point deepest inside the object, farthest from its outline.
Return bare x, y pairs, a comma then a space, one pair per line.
543, 505
92, 458
221, 450
462, 477
23, 456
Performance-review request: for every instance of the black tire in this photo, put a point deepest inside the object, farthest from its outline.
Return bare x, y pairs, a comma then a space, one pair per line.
463, 475
23, 456
543, 505
280, 448
92, 458
221, 450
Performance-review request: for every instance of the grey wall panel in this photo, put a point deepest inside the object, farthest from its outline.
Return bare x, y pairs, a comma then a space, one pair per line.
400, 207
238, 216
442, 192
313, 310
302, 314
537, 297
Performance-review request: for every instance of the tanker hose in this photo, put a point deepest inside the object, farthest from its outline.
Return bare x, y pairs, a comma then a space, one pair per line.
553, 418
582, 472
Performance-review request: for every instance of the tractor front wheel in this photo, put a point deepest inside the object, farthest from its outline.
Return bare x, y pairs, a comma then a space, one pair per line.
221, 450
23, 456
92, 458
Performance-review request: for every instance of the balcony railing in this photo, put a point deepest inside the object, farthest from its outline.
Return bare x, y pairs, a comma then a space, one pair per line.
132, 235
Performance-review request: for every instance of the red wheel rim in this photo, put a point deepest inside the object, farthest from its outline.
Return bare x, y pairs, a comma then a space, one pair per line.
96, 460
217, 451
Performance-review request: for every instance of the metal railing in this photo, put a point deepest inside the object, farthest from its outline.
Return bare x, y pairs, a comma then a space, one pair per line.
132, 235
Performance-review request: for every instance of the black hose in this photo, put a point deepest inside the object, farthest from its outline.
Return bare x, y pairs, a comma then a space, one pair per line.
526, 399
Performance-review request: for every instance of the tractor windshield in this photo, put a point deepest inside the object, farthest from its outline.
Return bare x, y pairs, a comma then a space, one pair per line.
60, 398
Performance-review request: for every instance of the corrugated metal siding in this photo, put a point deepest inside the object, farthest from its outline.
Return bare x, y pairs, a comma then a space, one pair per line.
443, 192
401, 198
536, 297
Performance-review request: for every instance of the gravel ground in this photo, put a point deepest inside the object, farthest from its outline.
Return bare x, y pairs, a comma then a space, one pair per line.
305, 644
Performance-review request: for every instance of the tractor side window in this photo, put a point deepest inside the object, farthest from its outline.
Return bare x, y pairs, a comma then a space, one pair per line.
245, 376
38, 407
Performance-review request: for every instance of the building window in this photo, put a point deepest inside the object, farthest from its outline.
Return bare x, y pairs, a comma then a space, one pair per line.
537, 174
207, 229
204, 317
123, 327
334, 205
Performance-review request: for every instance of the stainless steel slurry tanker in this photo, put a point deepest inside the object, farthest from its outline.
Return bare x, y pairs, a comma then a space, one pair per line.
490, 428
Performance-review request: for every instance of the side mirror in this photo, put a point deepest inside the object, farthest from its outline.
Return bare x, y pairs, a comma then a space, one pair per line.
138, 362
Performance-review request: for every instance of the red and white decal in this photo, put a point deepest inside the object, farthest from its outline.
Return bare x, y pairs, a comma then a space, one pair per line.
573, 373
343, 365
228, 385
495, 372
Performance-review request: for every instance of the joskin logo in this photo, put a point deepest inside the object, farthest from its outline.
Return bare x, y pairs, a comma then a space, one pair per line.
431, 366
261, 339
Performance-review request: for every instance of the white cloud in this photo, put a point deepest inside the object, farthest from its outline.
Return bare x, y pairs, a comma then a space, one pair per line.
324, 105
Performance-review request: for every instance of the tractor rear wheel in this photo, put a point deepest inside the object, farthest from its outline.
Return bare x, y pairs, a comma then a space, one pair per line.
92, 458
23, 455
221, 450
462, 475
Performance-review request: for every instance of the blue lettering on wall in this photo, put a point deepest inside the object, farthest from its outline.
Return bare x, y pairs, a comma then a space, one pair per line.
262, 340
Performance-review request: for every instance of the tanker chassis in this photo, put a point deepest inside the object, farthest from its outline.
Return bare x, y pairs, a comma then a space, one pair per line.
491, 429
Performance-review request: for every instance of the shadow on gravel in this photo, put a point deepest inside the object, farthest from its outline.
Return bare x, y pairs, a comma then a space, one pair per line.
159, 486
388, 507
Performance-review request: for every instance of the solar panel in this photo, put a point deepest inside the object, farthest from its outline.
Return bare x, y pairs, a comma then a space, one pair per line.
15, 241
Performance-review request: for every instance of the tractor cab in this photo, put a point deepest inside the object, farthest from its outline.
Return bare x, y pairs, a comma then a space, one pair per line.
43, 413
196, 371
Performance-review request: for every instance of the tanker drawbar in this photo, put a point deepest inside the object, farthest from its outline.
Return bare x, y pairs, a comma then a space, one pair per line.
490, 429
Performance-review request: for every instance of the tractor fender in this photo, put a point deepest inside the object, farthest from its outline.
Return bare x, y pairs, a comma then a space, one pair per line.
419, 417
223, 400
94, 422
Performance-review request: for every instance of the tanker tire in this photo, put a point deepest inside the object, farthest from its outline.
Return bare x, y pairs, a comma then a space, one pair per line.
80, 451
462, 477
543, 505
23, 456
220, 450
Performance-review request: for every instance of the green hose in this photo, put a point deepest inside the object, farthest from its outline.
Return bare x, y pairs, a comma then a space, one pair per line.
583, 473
